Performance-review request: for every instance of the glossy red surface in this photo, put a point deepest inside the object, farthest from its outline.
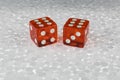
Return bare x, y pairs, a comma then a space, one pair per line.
43, 31
75, 32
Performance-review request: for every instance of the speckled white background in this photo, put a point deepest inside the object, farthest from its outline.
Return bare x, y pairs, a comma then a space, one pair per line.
20, 59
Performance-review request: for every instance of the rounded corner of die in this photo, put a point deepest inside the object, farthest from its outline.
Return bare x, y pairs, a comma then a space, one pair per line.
46, 17
69, 19
53, 22
30, 21
88, 21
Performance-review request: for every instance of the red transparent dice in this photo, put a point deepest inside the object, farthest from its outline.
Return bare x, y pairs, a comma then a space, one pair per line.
75, 32
43, 31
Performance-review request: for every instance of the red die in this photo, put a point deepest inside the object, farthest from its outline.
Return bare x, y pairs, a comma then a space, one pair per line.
75, 32
43, 31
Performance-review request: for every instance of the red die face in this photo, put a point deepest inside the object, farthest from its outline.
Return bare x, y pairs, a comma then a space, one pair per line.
43, 31
75, 32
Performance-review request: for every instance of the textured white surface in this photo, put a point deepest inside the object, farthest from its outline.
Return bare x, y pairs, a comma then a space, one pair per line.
20, 59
